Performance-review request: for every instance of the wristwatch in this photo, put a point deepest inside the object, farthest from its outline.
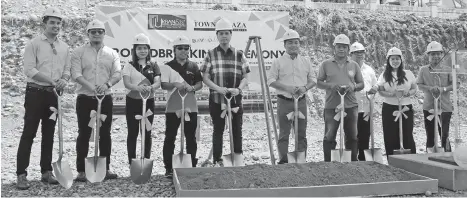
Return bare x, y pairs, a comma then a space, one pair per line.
108, 84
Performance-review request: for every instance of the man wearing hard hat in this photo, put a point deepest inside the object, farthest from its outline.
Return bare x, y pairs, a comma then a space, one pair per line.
180, 75
225, 71
47, 67
96, 68
333, 73
141, 77
433, 84
291, 76
357, 53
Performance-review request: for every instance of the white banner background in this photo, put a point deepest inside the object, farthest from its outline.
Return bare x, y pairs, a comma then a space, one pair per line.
164, 25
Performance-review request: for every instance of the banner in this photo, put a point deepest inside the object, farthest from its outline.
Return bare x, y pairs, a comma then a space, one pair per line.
164, 25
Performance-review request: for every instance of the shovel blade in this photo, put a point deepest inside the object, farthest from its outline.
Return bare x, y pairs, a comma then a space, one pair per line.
141, 170
375, 155
402, 151
63, 174
435, 150
238, 160
95, 171
341, 155
181, 161
296, 157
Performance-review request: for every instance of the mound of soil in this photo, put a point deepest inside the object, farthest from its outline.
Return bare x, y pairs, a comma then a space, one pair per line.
294, 175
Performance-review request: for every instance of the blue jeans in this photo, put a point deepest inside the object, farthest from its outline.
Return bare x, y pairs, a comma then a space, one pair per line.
350, 130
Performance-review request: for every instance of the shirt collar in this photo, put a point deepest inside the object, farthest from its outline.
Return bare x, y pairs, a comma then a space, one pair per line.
43, 37
288, 56
334, 60
231, 49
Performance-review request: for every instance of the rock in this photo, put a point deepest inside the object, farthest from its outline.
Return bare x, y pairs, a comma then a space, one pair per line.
255, 158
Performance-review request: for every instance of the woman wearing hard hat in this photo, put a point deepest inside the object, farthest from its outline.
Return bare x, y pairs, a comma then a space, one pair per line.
334, 73
394, 78
94, 77
182, 75
436, 83
140, 76
46, 66
291, 75
357, 53
225, 71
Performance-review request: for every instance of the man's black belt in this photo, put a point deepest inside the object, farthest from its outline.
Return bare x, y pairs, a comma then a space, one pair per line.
289, 99
40, 87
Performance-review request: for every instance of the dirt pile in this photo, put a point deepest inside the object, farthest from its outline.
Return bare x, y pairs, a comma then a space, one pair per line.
294, 175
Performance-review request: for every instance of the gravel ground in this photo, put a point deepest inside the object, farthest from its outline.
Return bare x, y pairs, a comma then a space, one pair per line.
255, 146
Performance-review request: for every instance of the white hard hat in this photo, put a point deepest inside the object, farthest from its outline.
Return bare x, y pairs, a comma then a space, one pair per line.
342, 39
223, 24
53, 12
434, 47
141, 39
356, 47
181, 40
394, 51
291, 34
95, 24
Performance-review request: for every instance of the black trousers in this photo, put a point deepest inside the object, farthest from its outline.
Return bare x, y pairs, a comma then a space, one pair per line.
219, 127
443, 131
363, 136
133, 108
172, 123
37, 105
84, 106
391, 129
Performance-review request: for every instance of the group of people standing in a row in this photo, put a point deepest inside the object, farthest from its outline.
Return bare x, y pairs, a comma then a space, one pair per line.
49, 65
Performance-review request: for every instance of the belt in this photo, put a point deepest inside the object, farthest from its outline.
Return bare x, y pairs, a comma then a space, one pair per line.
90, 97
41, 87
289, 99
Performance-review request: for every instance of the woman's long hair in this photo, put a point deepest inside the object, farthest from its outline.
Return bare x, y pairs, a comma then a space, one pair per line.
400, 73
134, 56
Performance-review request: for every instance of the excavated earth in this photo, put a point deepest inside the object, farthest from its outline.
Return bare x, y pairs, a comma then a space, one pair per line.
294, 175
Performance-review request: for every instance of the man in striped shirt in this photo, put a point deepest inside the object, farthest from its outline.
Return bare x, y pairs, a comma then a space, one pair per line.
225, 71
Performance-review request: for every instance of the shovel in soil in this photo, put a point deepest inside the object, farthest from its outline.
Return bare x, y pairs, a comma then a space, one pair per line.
296, 156
141, 169
372, 154
95, 167
400, 113
61, 168
341, 154
436, 113
182, 160
232, 159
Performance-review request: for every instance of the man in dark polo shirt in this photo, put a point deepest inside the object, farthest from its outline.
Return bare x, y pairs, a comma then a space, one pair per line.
225, 71
438, 83
182, 75
333, 73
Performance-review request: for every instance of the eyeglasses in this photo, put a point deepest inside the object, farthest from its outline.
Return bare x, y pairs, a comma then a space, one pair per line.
94, 32
183, 48
53, 48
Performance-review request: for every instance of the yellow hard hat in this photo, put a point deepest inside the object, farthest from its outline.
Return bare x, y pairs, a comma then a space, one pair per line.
53, 12
291, 34
434, 47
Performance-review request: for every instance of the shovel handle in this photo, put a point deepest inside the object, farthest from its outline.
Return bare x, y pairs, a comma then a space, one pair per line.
59, 121
340, 89
296, 112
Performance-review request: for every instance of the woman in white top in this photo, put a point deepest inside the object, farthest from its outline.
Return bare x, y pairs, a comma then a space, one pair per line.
396, 78
140, 76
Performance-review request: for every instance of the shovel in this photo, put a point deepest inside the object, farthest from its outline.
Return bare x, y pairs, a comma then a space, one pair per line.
95, 167
232, 159
141, 169
296, 156
399, 95
372, 154
341, 154
436, 148
182, 160
61, 169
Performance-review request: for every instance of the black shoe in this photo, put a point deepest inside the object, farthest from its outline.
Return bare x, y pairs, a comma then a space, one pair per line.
110, 175
81, 177
169, 174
